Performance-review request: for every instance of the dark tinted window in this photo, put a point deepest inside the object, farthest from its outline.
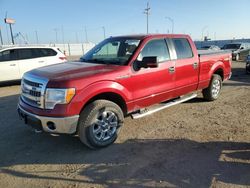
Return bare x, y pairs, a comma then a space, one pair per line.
8, 55
43, 52
231, 46
182, 48
25, 53
155, 48
47, 52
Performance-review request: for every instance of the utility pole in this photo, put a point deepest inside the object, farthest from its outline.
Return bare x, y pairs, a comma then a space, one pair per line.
172, 21
1, 38
146, 11
36, 37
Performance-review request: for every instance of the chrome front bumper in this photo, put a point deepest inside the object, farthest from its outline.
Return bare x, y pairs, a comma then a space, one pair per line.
66, 125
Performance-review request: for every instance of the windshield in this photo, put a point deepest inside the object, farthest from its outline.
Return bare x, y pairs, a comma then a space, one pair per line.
231, 46
112, 51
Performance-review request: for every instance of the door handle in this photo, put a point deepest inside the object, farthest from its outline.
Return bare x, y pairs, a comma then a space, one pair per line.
171, 69
40, 61
195, 65
12, 65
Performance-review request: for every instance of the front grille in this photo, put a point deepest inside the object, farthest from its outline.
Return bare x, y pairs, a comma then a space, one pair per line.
32, 91
28, 82
35, 93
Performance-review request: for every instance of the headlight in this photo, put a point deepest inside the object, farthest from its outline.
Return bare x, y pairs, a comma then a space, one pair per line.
58, 96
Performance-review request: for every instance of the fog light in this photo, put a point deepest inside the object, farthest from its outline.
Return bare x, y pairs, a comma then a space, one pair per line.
51, 125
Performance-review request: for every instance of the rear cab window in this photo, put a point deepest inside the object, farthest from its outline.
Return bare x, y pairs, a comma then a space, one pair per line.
183, 48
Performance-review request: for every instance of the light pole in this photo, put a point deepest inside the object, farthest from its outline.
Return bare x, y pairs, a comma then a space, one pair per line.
146, 11
104, 32
77, 41
56, 34
1, 38
10, 21
36, 37
86, 34
172, 21
202, 32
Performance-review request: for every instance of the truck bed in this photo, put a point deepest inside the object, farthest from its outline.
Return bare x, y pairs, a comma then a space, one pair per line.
211, 52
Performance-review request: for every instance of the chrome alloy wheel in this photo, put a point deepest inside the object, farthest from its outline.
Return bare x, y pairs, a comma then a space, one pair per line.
216, 88
105, 125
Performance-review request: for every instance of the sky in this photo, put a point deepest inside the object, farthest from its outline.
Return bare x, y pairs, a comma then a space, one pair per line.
69, 21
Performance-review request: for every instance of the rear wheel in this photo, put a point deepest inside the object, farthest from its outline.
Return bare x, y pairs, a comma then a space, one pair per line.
99, 123
213, 91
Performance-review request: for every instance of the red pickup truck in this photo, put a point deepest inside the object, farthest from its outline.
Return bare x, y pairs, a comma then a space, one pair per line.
126, 75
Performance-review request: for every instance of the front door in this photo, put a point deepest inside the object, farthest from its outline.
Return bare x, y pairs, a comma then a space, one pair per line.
154, 85
9, 67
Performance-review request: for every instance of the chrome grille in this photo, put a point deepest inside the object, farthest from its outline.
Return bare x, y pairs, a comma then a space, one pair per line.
33, 89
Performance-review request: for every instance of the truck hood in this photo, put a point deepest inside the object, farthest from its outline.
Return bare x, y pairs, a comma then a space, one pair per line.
72, 70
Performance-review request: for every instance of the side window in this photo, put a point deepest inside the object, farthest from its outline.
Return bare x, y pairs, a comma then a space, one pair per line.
8, 55
49, 52
44, 52
25, 53
182, 48
157, 48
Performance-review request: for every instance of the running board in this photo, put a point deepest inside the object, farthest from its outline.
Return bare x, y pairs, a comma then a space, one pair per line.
162, 106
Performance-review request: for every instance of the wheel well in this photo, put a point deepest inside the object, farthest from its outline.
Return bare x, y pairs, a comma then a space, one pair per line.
116, 98
220, 73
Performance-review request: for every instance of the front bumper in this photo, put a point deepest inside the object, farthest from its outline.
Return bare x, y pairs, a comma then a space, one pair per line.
66, 125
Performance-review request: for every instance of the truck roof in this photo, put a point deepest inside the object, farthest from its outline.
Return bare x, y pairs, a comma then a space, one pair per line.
142, 36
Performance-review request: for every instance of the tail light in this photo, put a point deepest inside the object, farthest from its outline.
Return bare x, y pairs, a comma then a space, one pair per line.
63, 58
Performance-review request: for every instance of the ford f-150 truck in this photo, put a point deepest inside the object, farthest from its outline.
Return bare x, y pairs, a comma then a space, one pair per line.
121, 76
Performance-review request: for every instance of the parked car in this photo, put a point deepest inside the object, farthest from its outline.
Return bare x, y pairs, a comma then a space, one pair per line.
210, 47
239, 50
127, 75
15, 61
248, 64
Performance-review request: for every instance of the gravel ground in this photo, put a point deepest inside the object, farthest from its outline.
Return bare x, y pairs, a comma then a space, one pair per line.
194, 144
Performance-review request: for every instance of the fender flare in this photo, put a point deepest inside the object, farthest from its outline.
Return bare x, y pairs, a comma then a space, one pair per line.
98, 88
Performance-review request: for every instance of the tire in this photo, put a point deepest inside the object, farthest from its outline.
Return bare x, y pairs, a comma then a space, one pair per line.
99, 123
213, 91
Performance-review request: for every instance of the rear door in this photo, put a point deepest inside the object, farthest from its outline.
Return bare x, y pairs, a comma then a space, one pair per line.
50, 56
186, 67
9, 67
29, 59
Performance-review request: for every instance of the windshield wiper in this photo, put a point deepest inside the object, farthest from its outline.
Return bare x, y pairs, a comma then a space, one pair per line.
99, 61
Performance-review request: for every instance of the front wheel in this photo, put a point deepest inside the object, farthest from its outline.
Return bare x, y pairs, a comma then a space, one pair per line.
99, 123
213, 91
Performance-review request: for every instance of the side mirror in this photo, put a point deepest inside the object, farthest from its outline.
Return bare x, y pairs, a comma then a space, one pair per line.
149, 62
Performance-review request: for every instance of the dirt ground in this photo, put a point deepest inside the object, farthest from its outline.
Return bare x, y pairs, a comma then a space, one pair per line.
194, 144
